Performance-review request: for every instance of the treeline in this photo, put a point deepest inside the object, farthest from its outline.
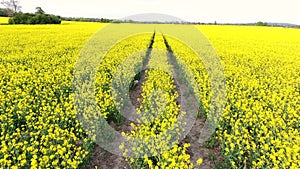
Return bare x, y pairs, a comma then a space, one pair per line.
261, 23
39, 17
103, 20
29, 18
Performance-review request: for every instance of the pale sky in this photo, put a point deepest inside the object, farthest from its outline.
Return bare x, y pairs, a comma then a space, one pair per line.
222, 11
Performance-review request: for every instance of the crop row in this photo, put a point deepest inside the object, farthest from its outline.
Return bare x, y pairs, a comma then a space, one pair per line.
159, 119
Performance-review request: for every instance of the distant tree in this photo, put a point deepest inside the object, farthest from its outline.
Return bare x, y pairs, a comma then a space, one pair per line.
104, 20
2, 12
6, 12
12, 5
261, 23
39, 10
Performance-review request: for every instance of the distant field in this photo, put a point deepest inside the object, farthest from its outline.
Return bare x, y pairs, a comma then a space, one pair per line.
259, 128
4, 20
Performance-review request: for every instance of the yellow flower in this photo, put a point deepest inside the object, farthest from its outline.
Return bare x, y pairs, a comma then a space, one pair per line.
199, 161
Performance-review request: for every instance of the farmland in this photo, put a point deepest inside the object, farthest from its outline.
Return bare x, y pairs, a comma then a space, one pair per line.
38, 123
3, 20
259, 127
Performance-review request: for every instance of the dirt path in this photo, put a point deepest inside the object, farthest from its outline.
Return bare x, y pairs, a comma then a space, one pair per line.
196, 150
105, 160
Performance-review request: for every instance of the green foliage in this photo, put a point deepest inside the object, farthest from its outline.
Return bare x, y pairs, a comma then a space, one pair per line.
261, 23
212, 142
28, 18
39, 10
218, 165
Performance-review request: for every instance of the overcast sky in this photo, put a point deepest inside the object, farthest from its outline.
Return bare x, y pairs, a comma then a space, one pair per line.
222, 11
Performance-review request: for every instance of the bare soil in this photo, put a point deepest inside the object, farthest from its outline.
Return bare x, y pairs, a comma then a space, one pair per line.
197, 150
104, 159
